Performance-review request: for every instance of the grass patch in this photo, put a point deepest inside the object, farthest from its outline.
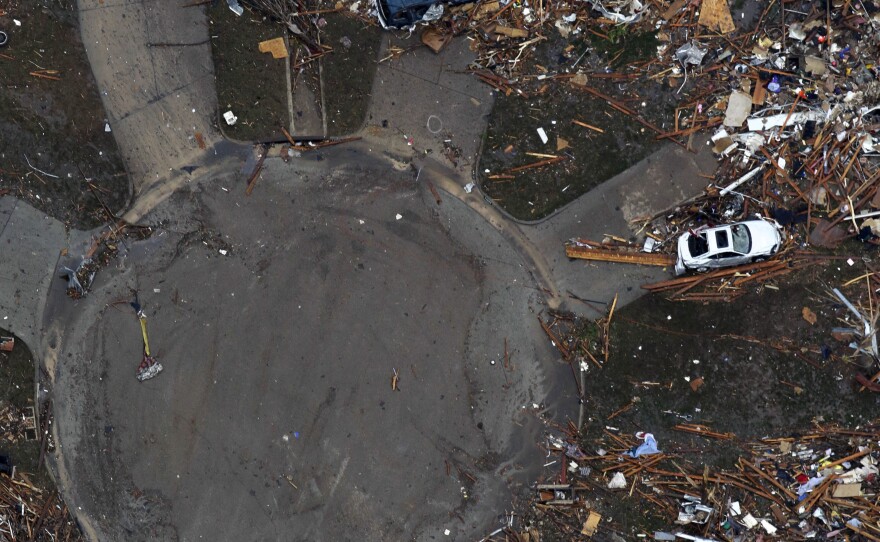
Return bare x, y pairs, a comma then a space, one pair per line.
348, 71
57, 121
753, 354
622, 47
591, 157
757, 357
251, 84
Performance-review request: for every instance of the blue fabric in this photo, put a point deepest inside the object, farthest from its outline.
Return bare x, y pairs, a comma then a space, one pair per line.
648, 447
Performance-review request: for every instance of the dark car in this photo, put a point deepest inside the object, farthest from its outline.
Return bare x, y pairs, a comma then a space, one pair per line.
406, 13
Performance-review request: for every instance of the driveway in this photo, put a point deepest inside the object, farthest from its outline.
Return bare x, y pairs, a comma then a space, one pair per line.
152, 64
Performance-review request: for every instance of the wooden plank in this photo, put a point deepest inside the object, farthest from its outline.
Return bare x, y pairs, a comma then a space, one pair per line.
715, 15
619, 256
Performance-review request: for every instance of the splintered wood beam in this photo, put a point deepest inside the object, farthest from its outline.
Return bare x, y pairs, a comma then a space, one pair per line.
619, 256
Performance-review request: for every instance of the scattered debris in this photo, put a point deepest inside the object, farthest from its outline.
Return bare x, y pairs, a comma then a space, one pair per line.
29, 513
258, 168
435, 40
17, 425
103, 249
808, 486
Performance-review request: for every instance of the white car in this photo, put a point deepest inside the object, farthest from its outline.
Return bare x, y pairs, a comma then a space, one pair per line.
727, 245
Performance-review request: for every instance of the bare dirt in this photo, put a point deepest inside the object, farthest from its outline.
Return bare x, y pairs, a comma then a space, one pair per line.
55, 120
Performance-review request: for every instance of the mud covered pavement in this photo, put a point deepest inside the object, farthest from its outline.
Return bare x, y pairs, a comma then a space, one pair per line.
280, 319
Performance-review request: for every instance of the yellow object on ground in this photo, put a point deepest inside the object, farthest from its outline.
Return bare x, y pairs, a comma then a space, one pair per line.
275, 46
143, 320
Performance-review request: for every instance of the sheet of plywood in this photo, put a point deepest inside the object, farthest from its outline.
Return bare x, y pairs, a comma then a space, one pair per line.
715, 15
592, 524
275, 46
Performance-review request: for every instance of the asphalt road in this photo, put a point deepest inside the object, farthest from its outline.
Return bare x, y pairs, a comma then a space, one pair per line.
274, 418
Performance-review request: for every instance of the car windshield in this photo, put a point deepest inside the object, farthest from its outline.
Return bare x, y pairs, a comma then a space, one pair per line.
742, 240
697, 244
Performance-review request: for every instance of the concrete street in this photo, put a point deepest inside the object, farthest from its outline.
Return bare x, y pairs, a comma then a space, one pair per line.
275, 418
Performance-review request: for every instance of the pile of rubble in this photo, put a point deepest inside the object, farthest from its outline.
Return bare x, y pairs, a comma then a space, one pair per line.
821, 484
17, 425
29, 513
793, 110
789, 104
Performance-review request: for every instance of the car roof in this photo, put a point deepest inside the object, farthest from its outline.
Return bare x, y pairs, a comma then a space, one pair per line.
713, 241
396, 6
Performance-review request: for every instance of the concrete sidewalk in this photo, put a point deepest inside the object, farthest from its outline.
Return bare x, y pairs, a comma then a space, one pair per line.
658, 182
152, 64
431, 100
35, 242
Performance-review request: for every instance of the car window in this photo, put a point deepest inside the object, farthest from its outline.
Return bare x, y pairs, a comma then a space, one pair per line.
698, 245
721, 239
742, 240
723, 255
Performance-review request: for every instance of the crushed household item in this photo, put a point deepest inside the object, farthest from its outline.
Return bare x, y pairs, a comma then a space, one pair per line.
618, 481
230, 118
693, 511
149, 366
626, 12
235, 7
408, 13
690, 53
648, 447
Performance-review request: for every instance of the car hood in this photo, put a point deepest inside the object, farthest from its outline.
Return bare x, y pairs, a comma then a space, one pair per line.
765, 236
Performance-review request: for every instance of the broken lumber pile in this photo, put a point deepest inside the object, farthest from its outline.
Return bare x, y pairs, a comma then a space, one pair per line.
30, 513
822, 483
